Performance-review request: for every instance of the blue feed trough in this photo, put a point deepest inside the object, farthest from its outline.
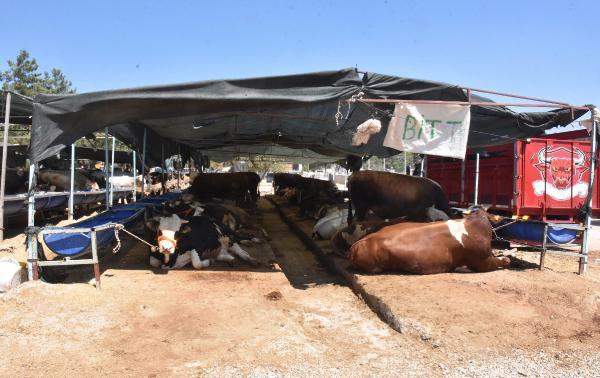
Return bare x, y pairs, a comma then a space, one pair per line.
534, 232
74, 245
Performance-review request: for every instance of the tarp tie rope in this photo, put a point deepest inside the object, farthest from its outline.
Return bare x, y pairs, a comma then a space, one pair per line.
353, 99
120, 227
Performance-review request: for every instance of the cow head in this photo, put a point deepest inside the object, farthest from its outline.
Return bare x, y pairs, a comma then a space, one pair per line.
167, 228
561, 164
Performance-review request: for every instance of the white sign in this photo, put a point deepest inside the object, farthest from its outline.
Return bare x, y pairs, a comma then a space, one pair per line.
431, 129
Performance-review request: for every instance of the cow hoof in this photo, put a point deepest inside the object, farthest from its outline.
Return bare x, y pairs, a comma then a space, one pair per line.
165, 267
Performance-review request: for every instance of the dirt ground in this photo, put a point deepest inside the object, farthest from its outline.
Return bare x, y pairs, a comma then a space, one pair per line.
291, 317
552, 314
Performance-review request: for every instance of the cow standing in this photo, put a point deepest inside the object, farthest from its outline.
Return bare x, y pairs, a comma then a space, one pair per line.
428, 248
390, 195
61, 180
241, 187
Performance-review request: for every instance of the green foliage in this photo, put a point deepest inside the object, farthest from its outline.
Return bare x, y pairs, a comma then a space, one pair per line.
23, 76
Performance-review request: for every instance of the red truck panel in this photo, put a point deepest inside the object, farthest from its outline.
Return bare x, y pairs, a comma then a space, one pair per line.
544, 178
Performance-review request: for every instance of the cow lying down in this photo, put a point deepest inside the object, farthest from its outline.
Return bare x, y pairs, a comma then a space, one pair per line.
335, 225
428, 248
197, 241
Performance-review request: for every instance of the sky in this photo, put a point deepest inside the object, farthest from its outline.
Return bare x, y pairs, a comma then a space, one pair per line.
546, 49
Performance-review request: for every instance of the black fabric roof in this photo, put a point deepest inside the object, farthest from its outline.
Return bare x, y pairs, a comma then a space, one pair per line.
21, 108
247, 116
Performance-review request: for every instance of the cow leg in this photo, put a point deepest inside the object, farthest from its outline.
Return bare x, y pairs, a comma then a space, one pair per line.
224, 256
239, 252
361, 213
489, 264
197, 263
181, 260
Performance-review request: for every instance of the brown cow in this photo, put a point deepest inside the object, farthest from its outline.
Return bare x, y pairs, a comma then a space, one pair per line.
428, 248
390, 195
239, 186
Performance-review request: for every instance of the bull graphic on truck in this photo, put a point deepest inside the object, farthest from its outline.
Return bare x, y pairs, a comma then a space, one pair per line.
561, 172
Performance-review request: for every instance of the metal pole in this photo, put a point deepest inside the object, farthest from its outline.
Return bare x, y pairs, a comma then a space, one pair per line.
31, 239
180, 163
422, 174
463, 168
583, 261
106, 179
476, 194
134, 177
4, 153
72, 184
384, 164
162, 166
144, 164
112, 172
404, 165
95, 258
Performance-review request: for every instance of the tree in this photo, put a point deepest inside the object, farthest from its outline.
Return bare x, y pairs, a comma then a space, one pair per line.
23, 76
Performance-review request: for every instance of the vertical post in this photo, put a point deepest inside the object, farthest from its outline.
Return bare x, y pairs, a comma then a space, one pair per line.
583, 260
544, 247
180, 163
422, 174
162, 167
31, 239
106, 179
134, 170
384, 165
4, 153
112, 172
95, 259
405, 155
463, 168
476, 194
144, 164
72, 184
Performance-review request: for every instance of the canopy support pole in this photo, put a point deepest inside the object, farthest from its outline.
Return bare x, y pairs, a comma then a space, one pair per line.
106, 179
583, 261
32, 273
4, 167
463, 167
72, 184
144, 164
134, 171
162, 167
112, 172
476, 194
180, 163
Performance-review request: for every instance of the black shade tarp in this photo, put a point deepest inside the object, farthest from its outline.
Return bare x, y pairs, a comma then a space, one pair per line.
21, 108
274, 114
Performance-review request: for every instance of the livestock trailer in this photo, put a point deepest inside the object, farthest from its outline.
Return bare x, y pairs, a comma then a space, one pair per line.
544, 178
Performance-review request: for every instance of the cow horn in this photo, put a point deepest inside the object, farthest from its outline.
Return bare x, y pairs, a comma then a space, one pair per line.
542, 155
579, 158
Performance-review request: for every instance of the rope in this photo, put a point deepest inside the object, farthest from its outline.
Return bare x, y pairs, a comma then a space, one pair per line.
353, 99
120, 227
